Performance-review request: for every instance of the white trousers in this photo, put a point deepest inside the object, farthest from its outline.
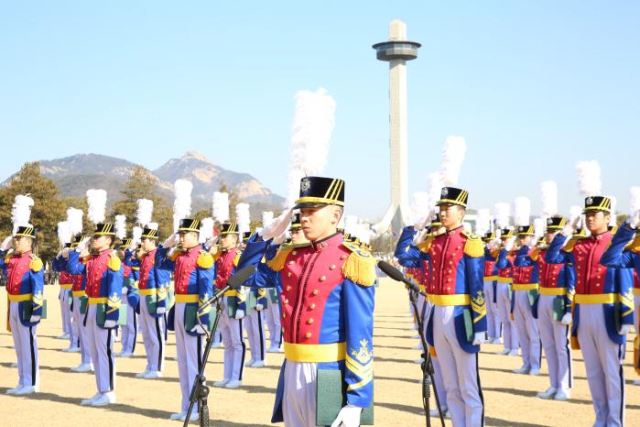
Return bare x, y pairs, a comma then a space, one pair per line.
234, 346
636, 313
603, 360
459, 371
153, 338
189, 350
254, 325
101, 348
437, 370
67, 316
509, 331
25, 342
299, 399
130, 330
527, 330
493, 319
272, 316
85, 351
555, 341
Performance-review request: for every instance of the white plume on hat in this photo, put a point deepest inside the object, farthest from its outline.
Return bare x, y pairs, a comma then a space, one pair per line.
220, 209
453, 154
549, 198
502, 212
206, 230
313, 123
613, 217
634, 204
21, 211
120, 226
64, 233
483, 222
539, 225
97, 202
243, 218
521, 211
267, 218
145, 211
182, 202
574, 212
435, 187
74, 220
364, 233
351, 225
589, 179
152, 226
136, 234
420, 206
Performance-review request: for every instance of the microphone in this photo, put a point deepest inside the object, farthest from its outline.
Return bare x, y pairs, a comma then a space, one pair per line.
234, 282
397, 275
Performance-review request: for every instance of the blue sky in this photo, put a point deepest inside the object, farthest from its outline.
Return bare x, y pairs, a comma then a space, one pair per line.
534, 87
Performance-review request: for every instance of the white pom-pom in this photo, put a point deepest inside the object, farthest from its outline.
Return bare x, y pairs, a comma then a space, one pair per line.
502, 212
634, 204
64, 233
136, 234
549, 198
21, 211
267, 218
120, 226
152, 226
242, 218
145, 211
182, 202
313, 123
420, 206
206, 230
97, 202
589, 179
220, 208
538, 227
453, 154
521, 211
483, 222
74, 220
613, 218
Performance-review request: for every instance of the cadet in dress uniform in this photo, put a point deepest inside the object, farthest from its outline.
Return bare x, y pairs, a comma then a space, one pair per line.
494, 329
152, 288
131, 276
103, 270
327, 310
193, 276
625, 252
526, 278
25, 286
458, 324
65, 297
603, 310
557, 286
504, 295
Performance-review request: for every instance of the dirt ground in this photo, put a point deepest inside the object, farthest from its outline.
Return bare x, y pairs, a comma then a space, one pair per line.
510, 398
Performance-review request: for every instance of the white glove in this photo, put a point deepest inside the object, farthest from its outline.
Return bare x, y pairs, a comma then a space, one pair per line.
35, 319
508, 245
239, 314
6, 243
211, 242
161, 310
83, 244
259, 307
566, 319
278, 226
171, 241
108, 324
349, 416
199, 329
478, 338
259, 231
624, 329
133, 245
421, 224
65, 253
420, 236
572, 226
278, 240
634, 221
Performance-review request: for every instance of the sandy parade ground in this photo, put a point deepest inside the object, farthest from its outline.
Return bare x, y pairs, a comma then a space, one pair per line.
510, 398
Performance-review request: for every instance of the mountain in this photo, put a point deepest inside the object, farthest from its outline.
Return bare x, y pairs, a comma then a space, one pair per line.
76, 174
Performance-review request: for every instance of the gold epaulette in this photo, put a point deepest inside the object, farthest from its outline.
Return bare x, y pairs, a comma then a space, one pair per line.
237, 258
360, 266
425, 245
535, 254
571, 244
35, 264
216, 256
114, 262
278, 261
474, 247
495, 253
634, 245
173, 256
205, 260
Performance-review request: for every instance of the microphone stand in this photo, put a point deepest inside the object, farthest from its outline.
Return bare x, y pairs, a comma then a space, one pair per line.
426, 366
